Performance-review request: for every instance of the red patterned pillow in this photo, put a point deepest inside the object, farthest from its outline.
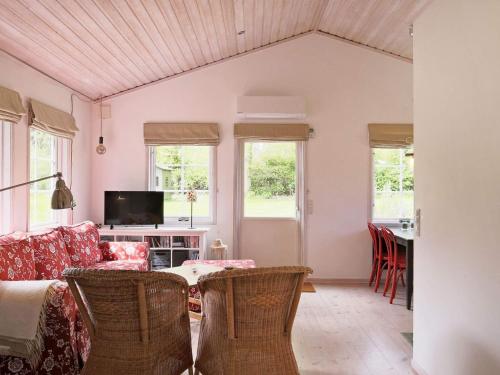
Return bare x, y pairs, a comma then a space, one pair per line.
124, 250
17, 261
82, 244
51, 257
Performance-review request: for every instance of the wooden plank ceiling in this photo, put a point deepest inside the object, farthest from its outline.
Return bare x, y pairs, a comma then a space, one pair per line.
103, 47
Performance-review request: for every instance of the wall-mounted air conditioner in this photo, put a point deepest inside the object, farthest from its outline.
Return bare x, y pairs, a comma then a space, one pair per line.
271, 107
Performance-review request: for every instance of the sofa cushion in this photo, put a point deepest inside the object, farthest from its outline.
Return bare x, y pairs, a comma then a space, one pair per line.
17, 261
124, 250
137, 265
11, 237
82, 242
50, 253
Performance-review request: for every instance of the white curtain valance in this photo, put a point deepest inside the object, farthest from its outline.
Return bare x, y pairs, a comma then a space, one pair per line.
390, 135
272, 132
161, 133
11, 106
52, 120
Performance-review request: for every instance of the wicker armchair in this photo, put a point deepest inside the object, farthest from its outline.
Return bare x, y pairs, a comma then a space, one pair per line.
247, 321
138, 321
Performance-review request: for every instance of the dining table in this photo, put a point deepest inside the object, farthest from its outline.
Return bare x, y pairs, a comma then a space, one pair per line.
404, 238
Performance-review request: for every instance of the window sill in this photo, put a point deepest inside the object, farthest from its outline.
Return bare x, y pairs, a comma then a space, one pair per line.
269, 218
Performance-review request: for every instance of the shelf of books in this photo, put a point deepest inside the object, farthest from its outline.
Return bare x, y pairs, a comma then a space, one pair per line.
167, 247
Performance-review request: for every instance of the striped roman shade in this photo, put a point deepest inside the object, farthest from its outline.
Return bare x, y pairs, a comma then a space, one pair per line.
11, 106
272, 132
52, 120
390, 135
166, 133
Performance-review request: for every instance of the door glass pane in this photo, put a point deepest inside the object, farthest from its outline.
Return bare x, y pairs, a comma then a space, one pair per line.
270, 179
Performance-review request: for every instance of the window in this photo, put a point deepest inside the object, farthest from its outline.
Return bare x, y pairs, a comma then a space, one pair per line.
175, 170
48, 155
392, 185
5, 176
270, 179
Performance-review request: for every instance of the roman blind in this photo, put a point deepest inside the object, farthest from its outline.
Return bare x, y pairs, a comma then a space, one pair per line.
52, 120
166, 133
272, 132
11, 106
390, 135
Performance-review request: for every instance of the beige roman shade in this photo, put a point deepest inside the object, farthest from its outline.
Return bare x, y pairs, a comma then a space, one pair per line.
390, 135
52, 120
158, 133
272, 132
11, 106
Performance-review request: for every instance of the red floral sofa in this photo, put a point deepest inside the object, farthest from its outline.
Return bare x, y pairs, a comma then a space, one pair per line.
44, 256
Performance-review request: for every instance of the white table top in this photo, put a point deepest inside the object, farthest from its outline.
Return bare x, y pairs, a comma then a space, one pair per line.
192, 272
407, 234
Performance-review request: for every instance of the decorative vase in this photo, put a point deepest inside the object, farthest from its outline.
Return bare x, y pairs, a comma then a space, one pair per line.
191, 198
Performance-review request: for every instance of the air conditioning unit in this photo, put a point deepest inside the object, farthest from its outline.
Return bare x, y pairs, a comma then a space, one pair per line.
271, 107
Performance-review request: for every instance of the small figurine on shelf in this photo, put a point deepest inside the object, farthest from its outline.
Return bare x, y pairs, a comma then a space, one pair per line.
191, 197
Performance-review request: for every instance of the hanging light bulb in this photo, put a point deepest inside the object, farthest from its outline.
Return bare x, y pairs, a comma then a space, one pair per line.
101, 149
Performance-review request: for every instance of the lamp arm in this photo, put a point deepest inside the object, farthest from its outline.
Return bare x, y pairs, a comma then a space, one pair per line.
58, 174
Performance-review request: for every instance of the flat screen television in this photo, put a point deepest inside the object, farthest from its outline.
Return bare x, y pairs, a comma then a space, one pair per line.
133, 207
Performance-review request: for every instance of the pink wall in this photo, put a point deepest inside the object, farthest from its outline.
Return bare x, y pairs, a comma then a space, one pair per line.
346, 87
457, 175
32, 84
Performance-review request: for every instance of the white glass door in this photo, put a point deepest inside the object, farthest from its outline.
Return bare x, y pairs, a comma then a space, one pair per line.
269, 194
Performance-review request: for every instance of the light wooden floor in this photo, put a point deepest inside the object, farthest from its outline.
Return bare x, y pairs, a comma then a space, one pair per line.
348, 330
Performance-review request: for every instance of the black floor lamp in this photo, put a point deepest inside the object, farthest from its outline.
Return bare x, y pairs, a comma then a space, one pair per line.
61, 198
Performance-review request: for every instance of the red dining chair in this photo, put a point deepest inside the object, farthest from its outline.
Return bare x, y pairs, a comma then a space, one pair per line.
375, 244
380, 257
396, 263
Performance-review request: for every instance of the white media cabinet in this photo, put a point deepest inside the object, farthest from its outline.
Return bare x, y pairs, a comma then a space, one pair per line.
169, 246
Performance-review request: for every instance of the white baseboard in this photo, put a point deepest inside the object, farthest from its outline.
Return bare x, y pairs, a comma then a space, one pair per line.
359, 282
417, 370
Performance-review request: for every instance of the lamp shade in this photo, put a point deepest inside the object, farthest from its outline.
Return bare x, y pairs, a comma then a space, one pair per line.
62, 197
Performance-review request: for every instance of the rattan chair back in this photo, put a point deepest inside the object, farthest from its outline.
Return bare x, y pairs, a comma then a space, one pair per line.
247, 321
138, 321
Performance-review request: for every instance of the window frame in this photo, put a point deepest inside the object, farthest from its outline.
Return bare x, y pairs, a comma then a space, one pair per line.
63, 150
390, 222
211, 219
6, 164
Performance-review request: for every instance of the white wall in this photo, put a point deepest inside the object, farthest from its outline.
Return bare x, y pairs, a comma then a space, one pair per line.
457, 171
346, 87
32, 84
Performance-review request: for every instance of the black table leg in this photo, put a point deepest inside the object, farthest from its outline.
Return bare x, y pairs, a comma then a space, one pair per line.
409, 273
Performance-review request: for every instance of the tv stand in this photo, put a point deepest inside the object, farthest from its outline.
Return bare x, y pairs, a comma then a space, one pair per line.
168, 246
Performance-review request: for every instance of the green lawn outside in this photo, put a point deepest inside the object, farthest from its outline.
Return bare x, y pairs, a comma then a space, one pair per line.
178, 206
387, 205
256, 206
41, 212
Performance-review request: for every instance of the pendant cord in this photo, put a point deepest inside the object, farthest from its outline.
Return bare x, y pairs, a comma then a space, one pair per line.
101, 116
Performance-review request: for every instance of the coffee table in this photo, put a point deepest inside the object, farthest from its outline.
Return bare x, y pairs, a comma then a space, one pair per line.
192, 273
